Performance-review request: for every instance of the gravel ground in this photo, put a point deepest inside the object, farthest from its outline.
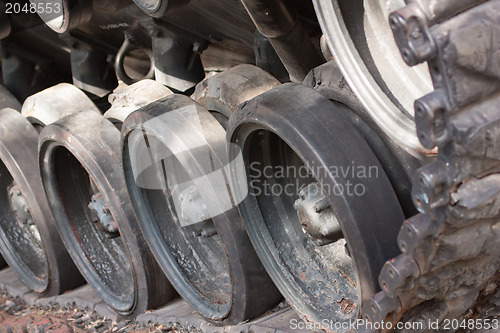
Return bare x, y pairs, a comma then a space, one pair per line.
16, 317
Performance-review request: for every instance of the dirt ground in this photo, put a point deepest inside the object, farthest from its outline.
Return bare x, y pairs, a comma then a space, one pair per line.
16, 317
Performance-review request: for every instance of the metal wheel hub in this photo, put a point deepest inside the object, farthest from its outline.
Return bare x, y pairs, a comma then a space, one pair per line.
194, 213
102, 217
193, 207
316, 215
22, 212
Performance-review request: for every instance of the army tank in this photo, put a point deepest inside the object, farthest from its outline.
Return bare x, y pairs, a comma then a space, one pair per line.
339, 154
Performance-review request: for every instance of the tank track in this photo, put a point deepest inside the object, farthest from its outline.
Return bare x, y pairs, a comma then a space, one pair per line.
450, 259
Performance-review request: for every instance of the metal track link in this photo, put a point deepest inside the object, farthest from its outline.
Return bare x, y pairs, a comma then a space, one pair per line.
450, 253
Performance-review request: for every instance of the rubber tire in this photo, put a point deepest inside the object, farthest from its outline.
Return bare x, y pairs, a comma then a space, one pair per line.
311, 125
252, 292
19, 153
95, 142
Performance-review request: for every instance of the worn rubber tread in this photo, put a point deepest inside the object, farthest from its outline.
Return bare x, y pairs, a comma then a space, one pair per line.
19, 155
252, 292
95, 142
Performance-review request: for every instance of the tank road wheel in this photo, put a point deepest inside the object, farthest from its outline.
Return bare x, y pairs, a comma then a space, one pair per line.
174, 156
83, 178
54, 103
222, 93
320, 210
42, 108
362, 44
29, 240
7, 101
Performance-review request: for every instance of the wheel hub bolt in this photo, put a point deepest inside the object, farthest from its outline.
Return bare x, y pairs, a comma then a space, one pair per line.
194, 213
316, 216
101, 215
21, 211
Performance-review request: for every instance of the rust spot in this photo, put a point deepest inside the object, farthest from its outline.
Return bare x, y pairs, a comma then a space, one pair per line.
350, 281
427, 152
346, 305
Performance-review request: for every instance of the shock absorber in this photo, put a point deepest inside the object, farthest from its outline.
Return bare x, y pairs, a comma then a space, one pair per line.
279, 22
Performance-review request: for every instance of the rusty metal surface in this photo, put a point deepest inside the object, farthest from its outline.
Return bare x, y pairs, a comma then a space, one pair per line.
450, 259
